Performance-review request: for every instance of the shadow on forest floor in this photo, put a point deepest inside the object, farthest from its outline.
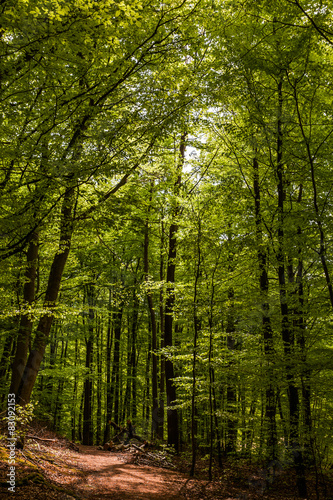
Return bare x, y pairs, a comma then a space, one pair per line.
49, 469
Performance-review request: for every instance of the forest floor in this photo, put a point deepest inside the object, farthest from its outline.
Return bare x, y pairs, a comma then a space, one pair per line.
52, 470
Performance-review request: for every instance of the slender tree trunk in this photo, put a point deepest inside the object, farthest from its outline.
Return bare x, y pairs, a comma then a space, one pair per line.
231, 393
309, 447
270, 410
197, 326
75, 393
115, 379
81, 417
322, 237
216, 422
211, 416
172, 415
59, 390
231, 400
30, 373
134, 361
286, 325
162, 361
87, 435
99, 396
154, 429
108, 373
128, 393
88, 382
146, 400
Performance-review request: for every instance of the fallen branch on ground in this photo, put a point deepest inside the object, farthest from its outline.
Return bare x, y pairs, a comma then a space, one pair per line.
40, 439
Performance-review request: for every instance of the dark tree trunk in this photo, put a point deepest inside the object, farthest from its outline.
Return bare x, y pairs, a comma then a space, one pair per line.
286, 324
30, 373
133, 360
74, 400
59, 390
87, 435
162, 364
115, 379
270, 404
131, 355
108, 373
99, 397
88, 382
318, 211
231, 392
26, 321
146, 399
172, 415
212, 400
154, 429
197, 326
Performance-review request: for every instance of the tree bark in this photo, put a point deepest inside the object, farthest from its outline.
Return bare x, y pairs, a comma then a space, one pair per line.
162, 360
75, 393
231, 393
31, 370
172, 415
99, 392
270, 400
154, 429
26, 321
197, 326
87, 433
115, 379
286, 325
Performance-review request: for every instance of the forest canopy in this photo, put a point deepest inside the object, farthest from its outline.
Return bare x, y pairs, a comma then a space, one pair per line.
166, 247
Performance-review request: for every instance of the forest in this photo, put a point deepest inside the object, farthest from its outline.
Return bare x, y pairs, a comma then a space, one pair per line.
166, 234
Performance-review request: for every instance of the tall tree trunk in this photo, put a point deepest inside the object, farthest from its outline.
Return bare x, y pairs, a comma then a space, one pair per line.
88, 382
30, 373
59, 390
286, 325
154, 429
162, 361
87, 434
75, 393
99, 396
309, 448
197, 326
133, 360
172, 415
270, 400
115, 379
146, 399
108, 372
231, 393
318, 212
212, 400
26, 321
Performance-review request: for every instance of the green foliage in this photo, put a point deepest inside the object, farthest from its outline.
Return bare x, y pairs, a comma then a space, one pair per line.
95, 98
23, 418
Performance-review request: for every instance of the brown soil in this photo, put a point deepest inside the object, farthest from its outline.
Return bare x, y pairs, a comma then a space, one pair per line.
107, 475
52, 471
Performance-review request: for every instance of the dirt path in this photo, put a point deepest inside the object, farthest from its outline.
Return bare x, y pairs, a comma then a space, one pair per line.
108, 476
